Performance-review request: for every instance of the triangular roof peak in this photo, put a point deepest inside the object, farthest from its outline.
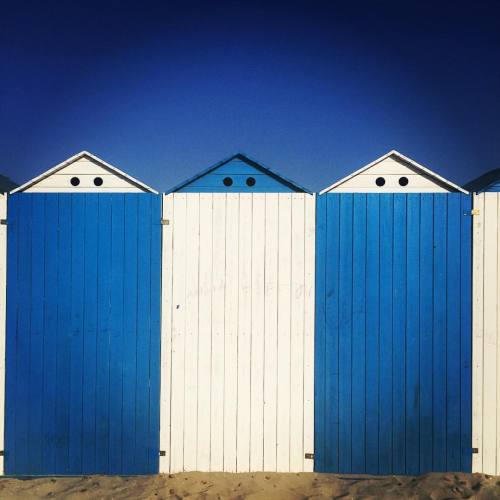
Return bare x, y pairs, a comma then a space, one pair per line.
192, 182
81, 155
417, 167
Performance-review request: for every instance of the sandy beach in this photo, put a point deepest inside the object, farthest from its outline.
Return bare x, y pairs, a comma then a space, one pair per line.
254, 486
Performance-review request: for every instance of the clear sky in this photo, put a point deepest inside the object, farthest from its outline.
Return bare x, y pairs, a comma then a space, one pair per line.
312, 89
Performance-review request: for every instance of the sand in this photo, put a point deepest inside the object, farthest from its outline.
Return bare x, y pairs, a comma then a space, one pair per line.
254, 486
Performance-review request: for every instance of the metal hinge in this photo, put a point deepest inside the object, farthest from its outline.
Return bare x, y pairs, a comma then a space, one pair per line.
309, 456
3, 222
474, 211
163, 453
165, 222
475, 450
2, 453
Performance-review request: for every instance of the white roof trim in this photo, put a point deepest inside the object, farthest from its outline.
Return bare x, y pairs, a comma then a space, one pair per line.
413, 163
76, 157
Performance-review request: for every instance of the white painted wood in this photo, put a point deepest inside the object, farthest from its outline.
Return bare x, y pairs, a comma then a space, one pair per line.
3, 289
179, 223
255, 348
257, 334
166, 330
218, 297
191, 332
85, 166
390, 166
205, 331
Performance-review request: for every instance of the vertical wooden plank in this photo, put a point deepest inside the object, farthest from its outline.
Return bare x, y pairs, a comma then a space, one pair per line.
270, 326
257, 338
399, 333
425, 349
244, 333
359, 334
116, 340
205, 331
345, 331
167, 274
91, 268
373, 331
192, 251
76, 423
309, 294
478, 273
439, 329
466, 335
144, 319
231, 332
320, 341
453, 342
36, 300
130, 291
386, 333
284, 298
3, 309
412, 388
178, 329
103, 333
155, 332
297, 333
218, 306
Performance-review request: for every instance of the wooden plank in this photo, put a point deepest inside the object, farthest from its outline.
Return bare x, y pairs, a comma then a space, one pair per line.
3, 305
345, 332
439, 339
231, 332
284, 298
191, 334
359, 334
478, 333
297, 333
373, 331
386, 332
218, 307
491, 252
309, 294
166, 330
257, 339
179, 223
271, 331
244, 333
411, 401
205, 331
130, 291
425, 314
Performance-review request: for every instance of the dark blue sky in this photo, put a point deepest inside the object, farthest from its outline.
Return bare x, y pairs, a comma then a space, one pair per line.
312, 89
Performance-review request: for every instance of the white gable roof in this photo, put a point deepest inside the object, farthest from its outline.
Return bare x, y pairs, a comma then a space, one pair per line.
36, 183
424, 171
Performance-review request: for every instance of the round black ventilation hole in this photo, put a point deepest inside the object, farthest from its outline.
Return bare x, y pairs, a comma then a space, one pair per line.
403, 181
228, 181
98, 181
380, 181
251, 181
75, 181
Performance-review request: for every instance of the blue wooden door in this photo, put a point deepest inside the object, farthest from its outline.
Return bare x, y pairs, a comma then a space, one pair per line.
83, 334
393, 333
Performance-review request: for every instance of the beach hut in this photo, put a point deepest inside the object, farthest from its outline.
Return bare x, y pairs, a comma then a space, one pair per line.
83, 322
237, 322
393, 322
486, 325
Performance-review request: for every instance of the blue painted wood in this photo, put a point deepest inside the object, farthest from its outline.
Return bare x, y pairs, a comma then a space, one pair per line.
238, 168
393, 351
80, 354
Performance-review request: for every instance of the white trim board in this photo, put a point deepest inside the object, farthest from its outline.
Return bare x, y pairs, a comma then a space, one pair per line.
77, 157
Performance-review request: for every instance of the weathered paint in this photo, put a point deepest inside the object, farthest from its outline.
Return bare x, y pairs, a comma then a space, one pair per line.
83, 334
393, 333
238, 332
